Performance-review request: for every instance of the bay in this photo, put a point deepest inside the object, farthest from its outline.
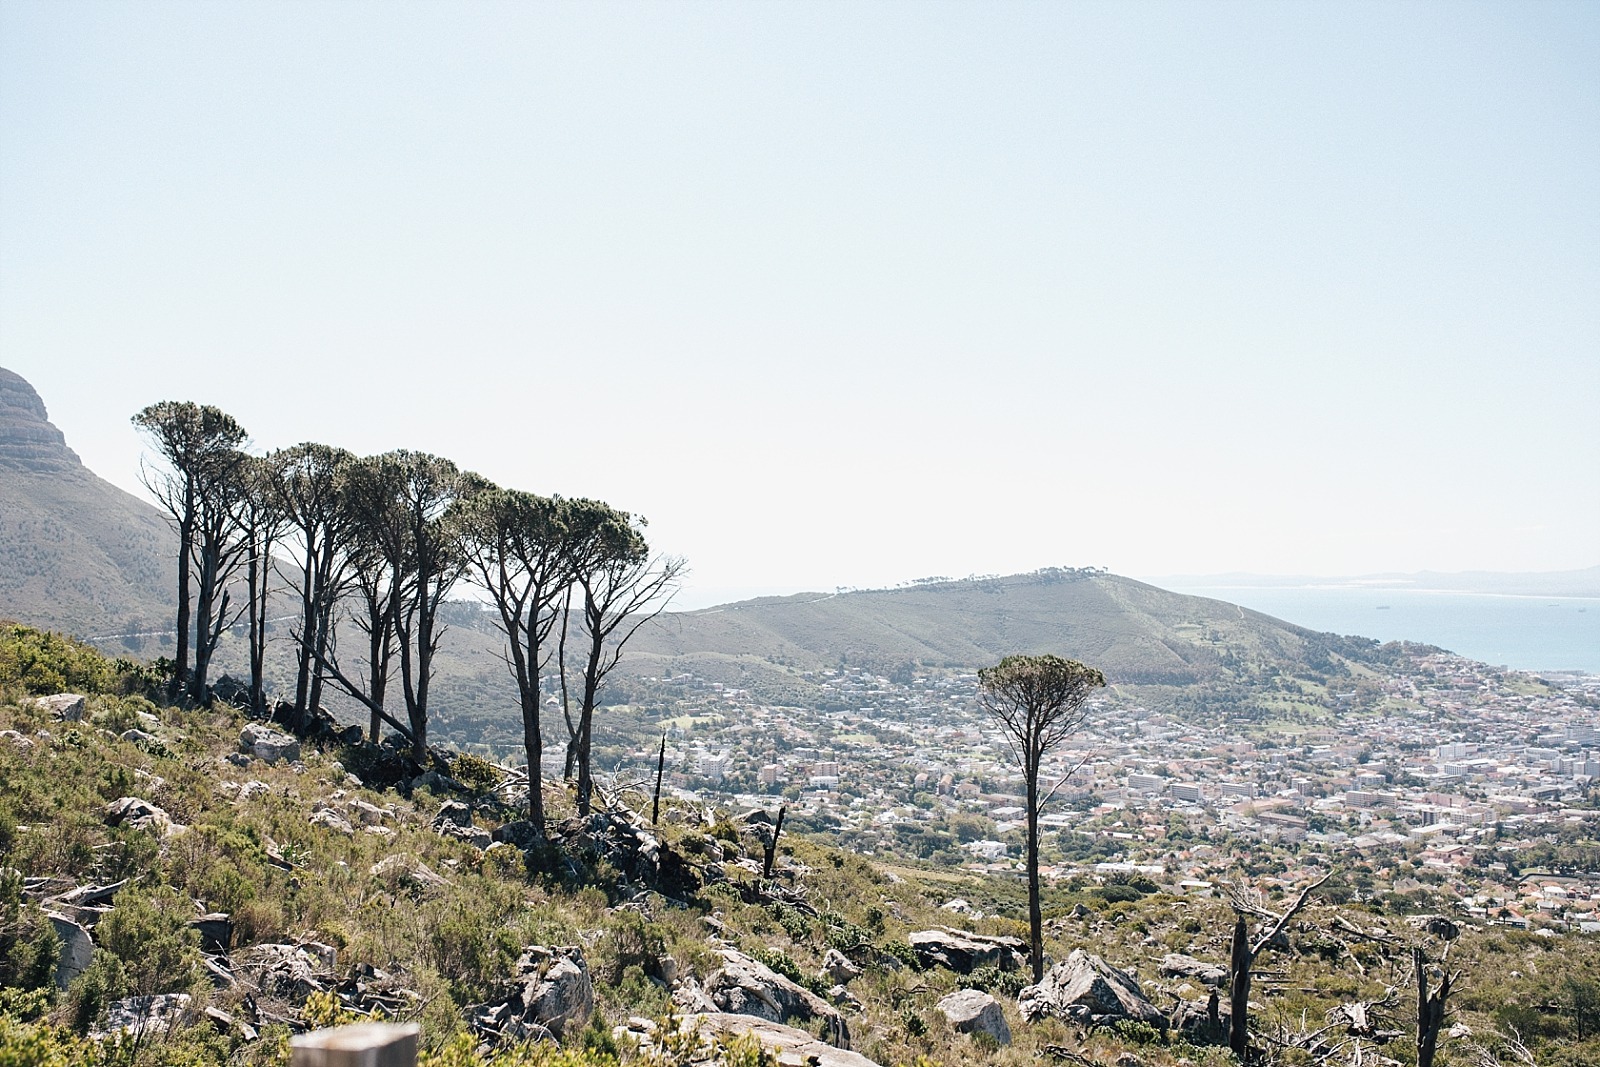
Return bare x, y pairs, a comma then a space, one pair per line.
1524, 632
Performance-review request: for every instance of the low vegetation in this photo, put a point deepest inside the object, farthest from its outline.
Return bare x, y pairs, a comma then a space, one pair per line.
448, 920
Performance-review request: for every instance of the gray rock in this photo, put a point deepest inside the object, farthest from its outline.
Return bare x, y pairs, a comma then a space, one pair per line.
66, 706
143, 1017
1086, 989
284, 971
548, 994
216, 932
17, 739
972, 1011
140, 815
369, 814
268, 744
1177, 965
837, 968
77, 948
792, 1046
405, 871
452, 813
963, 952
744, 986
139, 737
333, 821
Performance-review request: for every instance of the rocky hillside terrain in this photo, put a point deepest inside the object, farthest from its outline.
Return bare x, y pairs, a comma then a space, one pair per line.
184, 886
76, 553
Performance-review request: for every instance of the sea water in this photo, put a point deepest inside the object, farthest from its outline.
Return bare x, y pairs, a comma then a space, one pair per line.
1524, 632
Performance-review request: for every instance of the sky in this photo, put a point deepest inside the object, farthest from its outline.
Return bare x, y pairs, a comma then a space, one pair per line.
848, 294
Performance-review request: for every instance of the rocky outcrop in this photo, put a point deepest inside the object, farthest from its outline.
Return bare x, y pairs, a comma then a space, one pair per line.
1088, 990
287, 972
267, 744
77, 948
793, 1047
548, 994
454, 819
68, 707
963, 952
28, 439
744, 986
142, 1017
139, 815
972, 1011
1177, 965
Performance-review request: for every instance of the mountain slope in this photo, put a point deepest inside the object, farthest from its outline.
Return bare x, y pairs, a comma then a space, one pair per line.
79, 554
1134, 632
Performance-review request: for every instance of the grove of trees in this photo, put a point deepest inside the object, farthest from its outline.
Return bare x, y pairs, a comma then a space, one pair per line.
375, 545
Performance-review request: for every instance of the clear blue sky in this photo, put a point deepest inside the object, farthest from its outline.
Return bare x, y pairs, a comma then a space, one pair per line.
849, 293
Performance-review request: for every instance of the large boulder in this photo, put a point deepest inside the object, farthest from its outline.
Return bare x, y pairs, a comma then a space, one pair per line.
139, 815
77, 948
793, 1047
549, 993
744, 986
1086, 989
268, 744
963, 951
142, 1017
65, 706
972, 1011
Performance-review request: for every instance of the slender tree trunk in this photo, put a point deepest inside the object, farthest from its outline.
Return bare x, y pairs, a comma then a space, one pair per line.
257, 609
1239, 990
308, 626
1430, 1009
180, 676
661, 766
1035, 909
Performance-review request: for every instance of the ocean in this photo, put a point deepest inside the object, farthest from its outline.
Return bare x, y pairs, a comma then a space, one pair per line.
1524, 632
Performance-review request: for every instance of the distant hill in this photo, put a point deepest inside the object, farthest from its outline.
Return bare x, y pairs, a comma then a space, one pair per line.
1135, 633
79, 554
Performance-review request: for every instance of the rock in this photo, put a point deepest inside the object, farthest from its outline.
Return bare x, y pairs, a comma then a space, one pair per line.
238, 759
77, 948
1087, 989
226, 1023
253, 788
68, 707
475, 836
139, 815
837, 968
549, 993
972, 1011
1080, 911
793, 1047
139, 737
437, 782
216, 932
841, 997
520, 832
963, 952
17, 738
366, 813
744, 986
405, 871
284, 971
958, 906
1177, 965
333, 821
268, 744
666, 969
452, 813
143, 1017
1437, 925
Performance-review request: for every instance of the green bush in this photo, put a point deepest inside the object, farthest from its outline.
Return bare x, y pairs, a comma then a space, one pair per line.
149, 933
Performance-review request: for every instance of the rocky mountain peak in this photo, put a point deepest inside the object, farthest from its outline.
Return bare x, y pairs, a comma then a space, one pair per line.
28, 440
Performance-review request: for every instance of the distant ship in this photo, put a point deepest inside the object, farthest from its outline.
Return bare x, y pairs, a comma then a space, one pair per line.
1383, 607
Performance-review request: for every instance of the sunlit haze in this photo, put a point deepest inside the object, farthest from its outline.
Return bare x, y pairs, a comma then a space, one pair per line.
848, 294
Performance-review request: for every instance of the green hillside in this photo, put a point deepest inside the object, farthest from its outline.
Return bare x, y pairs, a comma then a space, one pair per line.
1135, 633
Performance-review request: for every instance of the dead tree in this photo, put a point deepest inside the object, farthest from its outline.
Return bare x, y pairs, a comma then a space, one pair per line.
1431, 1004
771, 849
1245, 951
661, 766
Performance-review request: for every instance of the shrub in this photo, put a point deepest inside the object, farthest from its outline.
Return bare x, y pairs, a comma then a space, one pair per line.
150, 935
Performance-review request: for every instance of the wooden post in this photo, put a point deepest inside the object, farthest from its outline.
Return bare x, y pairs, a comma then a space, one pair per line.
362, 1045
